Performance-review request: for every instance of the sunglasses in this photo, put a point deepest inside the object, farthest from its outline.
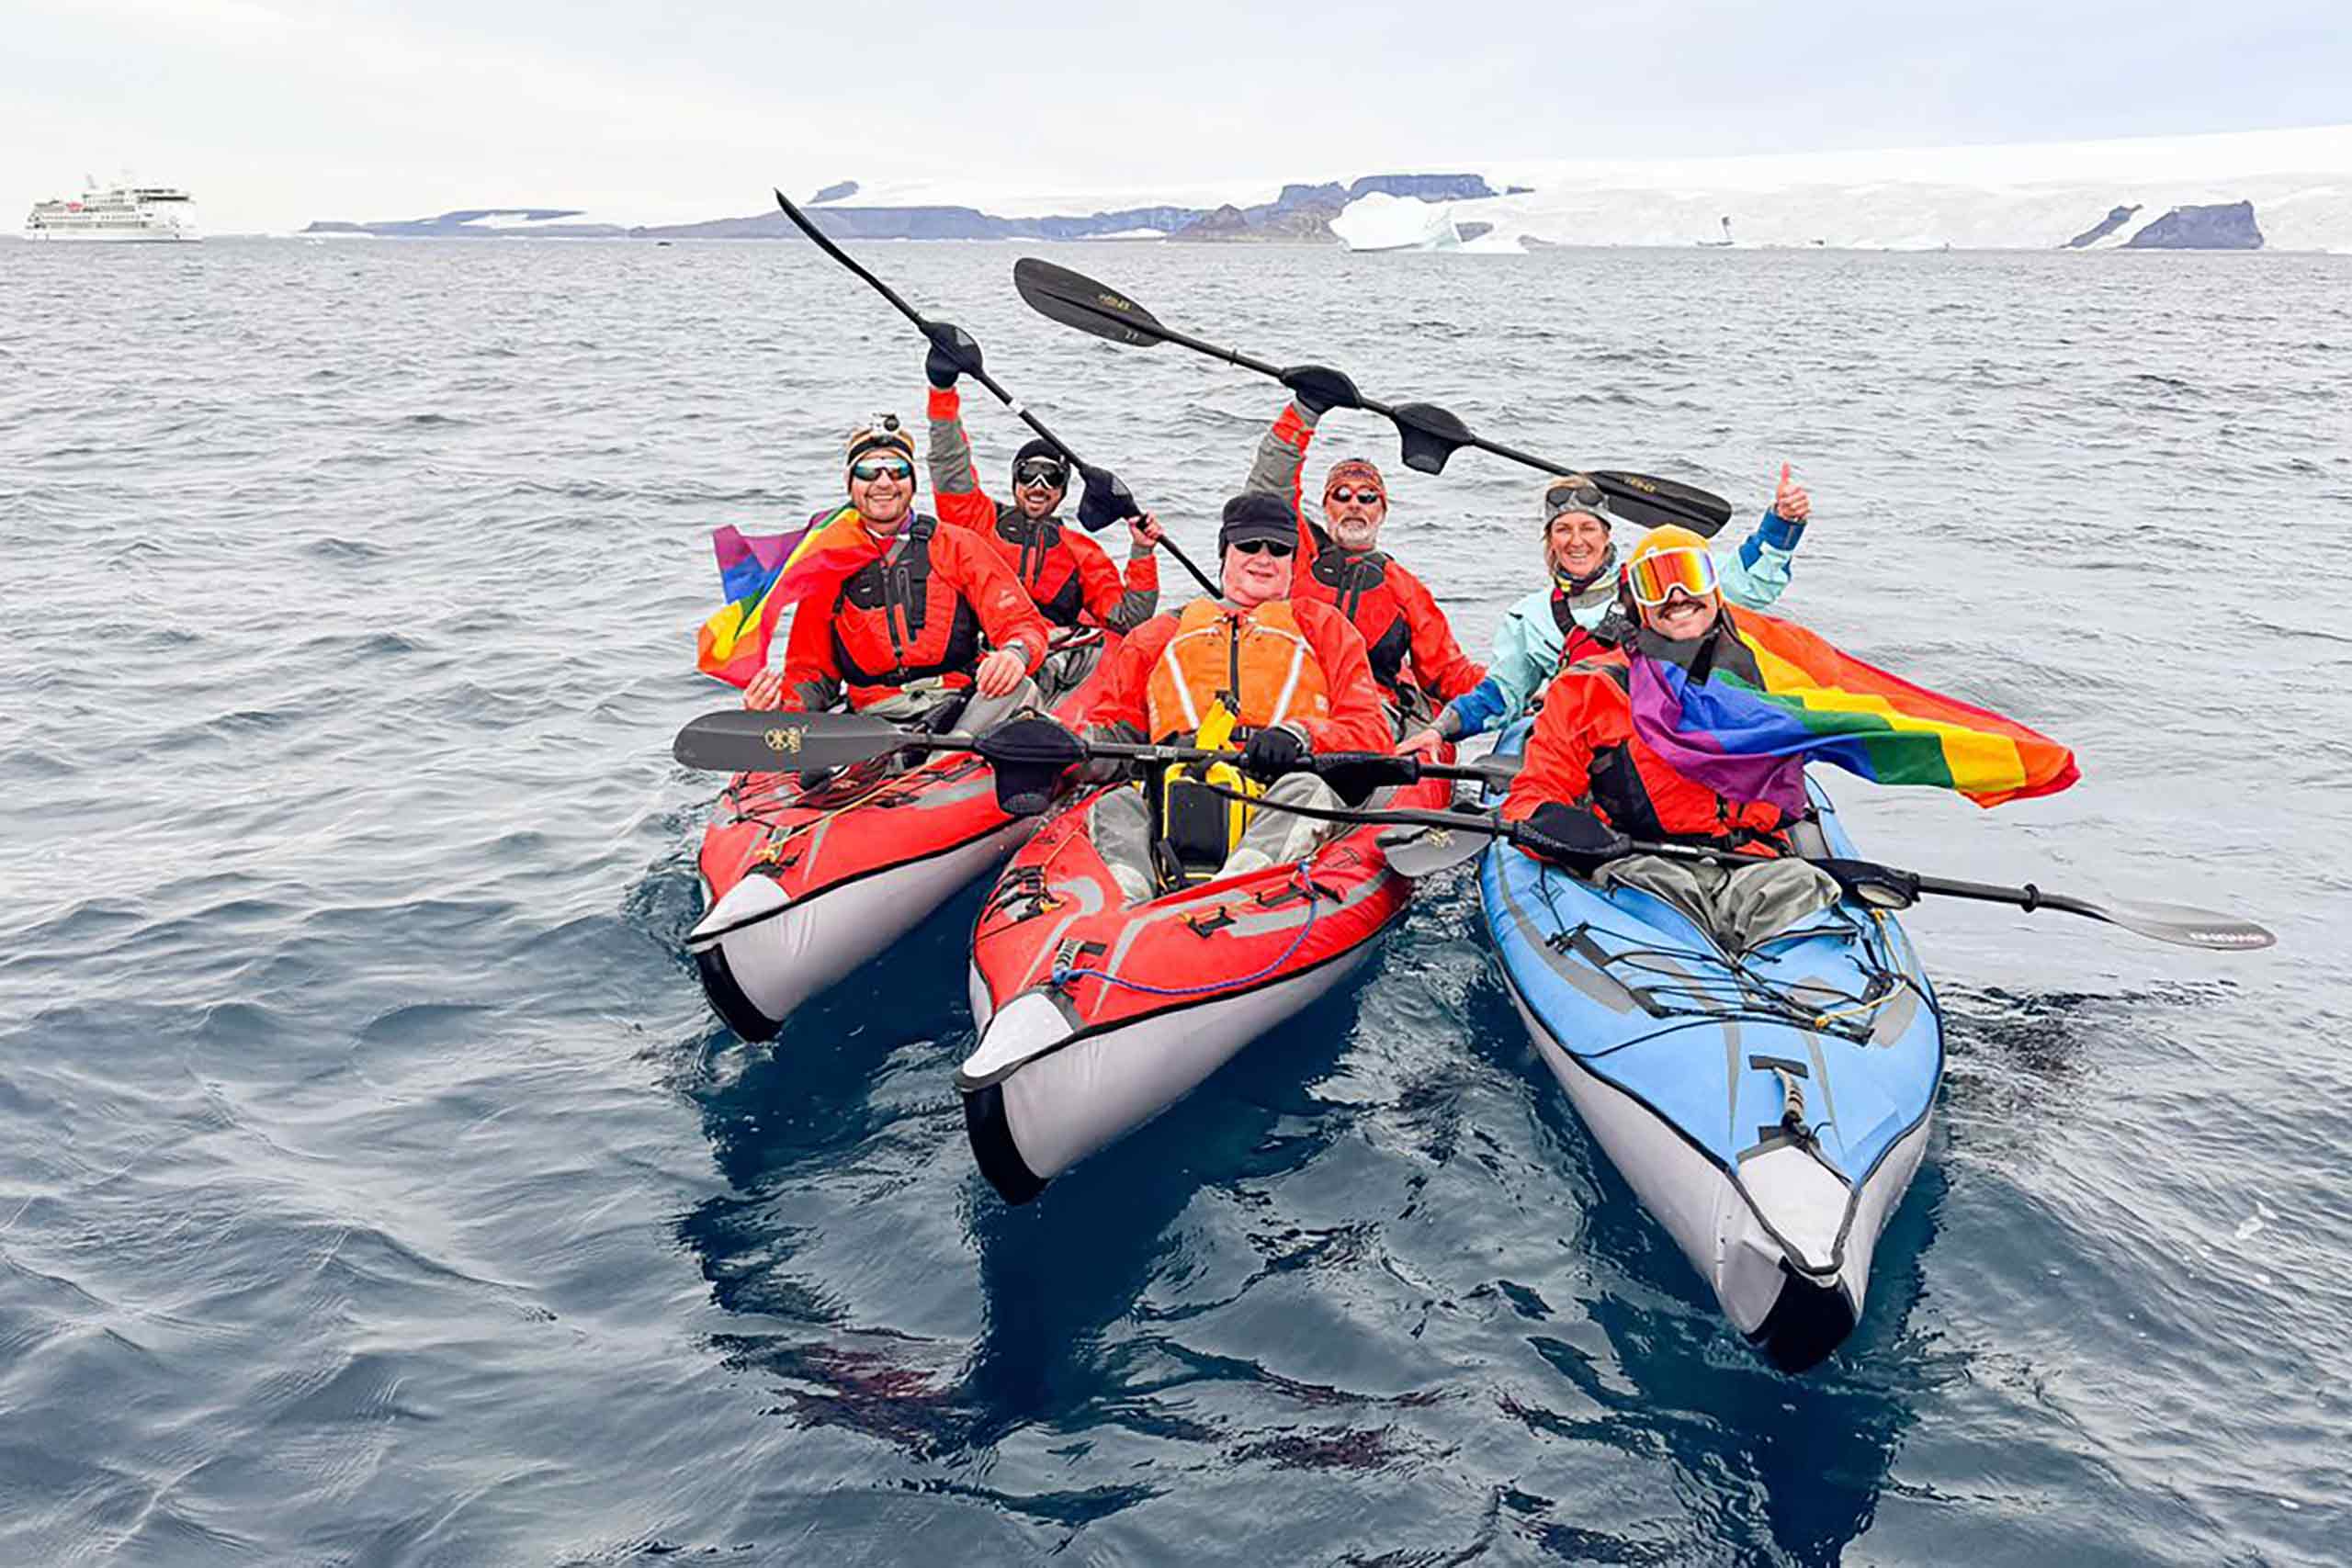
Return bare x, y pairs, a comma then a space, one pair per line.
1363, 493
1653, 578
866, 471
1572, 497
1278, 548
1042, 472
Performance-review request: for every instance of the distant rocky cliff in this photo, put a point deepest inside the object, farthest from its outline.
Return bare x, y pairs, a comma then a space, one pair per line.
2115, 219
1300, 213
2228, 227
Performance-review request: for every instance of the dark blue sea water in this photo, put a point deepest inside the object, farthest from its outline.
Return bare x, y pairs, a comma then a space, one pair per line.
374, 1188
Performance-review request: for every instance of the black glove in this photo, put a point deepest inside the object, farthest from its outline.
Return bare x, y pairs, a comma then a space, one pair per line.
1273, 752
953, 352
1319, 388
1107, 499
1571, 836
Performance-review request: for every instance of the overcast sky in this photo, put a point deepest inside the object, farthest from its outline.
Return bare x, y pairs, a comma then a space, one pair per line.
274, 112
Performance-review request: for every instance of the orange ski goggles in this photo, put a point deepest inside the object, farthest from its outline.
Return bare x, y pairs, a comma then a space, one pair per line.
1653, 577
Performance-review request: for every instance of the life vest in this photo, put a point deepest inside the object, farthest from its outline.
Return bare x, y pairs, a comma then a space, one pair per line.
1261, 657
1048, 568
1577, 642
1356, 585
896, 620
1644, 797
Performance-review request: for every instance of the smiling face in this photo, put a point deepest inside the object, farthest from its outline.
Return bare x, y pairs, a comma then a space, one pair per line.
882, 488
1683, 617
1036, 498
1257, 572
1576, 543
1355, 509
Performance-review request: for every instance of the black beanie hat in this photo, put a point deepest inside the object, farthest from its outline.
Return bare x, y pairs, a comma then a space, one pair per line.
1040, 447
1257, 514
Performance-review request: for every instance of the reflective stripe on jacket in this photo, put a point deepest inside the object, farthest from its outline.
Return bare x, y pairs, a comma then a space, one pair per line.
1297, 663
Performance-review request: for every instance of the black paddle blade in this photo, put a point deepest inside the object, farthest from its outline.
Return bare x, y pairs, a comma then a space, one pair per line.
1429, 435
957, 343
1424, 852
1653, 502
1105, 501
1077, 300
1030, 756
741, 741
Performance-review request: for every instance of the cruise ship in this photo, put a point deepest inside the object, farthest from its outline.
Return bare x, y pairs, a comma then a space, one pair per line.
120, 213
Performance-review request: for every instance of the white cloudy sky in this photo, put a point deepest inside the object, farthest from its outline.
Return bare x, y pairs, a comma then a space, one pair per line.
279, 111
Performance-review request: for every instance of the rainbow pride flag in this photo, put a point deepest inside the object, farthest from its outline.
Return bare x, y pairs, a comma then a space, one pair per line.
1818, 705
761, 574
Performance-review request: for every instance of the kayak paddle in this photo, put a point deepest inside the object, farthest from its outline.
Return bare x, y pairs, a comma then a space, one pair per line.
1448, 839
1429, 434
751, 741
1108, 499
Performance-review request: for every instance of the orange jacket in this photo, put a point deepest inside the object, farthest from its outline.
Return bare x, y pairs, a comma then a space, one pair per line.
1583, 752
1069, 576
1391, 610
919, 613
1354, 722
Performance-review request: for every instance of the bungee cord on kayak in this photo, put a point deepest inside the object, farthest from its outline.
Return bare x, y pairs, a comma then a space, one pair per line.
1214, 810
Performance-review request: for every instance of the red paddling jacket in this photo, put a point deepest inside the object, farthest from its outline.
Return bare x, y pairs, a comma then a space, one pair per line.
1583, 752
918, 612
1396, 616
1069, 575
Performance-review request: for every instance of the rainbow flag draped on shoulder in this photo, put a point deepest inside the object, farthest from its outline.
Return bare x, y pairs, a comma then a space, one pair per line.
1818, 705
761, 574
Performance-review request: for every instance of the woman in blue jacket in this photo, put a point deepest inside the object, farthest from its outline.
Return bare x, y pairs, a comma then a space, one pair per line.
1554, 626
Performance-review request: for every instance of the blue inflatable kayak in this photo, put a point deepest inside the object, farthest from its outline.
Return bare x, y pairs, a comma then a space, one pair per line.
1768, 1109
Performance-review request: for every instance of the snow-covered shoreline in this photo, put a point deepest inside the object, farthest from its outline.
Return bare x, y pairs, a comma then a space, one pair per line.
2033, 196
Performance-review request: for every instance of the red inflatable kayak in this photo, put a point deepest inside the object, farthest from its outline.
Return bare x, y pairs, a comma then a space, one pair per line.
802, 885
1094, 1018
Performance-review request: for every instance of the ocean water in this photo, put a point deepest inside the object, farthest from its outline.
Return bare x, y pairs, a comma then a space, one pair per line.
375, 1189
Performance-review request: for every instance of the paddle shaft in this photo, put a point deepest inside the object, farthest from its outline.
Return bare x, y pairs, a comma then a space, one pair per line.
2181, 926
1700, 510
1020, 411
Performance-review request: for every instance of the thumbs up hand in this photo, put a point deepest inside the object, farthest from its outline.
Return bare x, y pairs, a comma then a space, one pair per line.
1790, 501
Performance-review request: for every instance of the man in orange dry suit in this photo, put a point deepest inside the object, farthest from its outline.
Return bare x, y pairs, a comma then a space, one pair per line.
1069, 575
1589, 784
1344, 566
1296, 669
900, 634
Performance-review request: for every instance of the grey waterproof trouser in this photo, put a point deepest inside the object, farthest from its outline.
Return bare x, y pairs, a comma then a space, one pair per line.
1740, 906
1121, 827
916, 700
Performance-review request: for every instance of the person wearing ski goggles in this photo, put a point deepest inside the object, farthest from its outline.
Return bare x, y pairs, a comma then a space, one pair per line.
1415, 655
1589, 784
1071, 577
1579, 612
895, 623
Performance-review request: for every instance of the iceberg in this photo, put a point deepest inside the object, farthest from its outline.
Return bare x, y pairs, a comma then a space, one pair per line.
1379, 221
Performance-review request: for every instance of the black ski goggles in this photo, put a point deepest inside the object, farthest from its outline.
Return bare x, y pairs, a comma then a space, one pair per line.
1041, 471
1574, 495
